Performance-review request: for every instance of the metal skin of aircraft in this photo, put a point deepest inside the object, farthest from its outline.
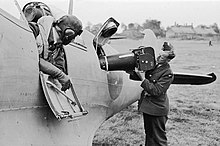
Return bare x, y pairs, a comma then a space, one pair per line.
25, 117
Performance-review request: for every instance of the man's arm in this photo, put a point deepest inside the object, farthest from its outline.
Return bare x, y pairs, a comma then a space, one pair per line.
158, 87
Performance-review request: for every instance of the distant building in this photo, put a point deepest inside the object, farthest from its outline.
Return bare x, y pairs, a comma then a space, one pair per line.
205, 31
188, 32
181, 31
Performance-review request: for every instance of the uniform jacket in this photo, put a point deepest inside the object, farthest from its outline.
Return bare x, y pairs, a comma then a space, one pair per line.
154, 100
46, 40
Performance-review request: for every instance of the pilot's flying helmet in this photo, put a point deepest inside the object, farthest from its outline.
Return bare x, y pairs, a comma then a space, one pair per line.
69, 27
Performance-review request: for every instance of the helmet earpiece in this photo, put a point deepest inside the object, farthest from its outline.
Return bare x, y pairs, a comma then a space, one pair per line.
67, 36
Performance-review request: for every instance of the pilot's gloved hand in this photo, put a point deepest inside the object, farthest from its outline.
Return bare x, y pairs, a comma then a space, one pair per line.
56, 73
64, 81
66, 85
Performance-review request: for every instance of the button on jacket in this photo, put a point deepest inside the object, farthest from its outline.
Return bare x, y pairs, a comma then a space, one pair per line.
154, 100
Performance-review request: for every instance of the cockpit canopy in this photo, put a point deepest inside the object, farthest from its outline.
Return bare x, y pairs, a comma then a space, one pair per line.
34, 10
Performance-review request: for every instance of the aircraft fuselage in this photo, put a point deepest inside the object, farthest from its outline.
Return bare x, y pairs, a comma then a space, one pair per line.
25, 117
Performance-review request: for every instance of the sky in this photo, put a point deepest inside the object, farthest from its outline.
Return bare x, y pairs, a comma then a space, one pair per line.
169, 12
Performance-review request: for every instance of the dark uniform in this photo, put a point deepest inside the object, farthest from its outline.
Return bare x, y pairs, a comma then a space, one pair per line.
154, 104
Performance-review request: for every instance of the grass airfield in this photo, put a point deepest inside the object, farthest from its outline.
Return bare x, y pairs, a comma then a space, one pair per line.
194, 118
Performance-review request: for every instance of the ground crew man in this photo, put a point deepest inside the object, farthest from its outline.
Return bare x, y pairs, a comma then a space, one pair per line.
154, 102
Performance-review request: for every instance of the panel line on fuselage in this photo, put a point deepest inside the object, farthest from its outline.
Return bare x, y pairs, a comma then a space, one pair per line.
22, 108
78, 46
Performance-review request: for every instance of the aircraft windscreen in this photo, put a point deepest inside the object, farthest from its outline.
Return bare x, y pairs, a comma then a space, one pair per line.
12, 8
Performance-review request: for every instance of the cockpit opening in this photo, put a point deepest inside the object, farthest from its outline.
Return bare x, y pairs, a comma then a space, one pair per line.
51, 36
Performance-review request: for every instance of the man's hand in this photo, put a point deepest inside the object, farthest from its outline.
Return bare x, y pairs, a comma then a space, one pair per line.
140, 74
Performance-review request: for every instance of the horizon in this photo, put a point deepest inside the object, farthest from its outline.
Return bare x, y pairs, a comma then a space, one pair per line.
168, 12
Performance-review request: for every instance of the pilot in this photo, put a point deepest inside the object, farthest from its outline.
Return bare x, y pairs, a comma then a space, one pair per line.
52, 36
154, 102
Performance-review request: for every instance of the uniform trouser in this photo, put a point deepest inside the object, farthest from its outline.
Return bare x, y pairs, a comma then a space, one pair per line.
155, 130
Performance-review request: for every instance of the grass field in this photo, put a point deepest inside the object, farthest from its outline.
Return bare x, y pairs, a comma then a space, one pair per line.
194, 118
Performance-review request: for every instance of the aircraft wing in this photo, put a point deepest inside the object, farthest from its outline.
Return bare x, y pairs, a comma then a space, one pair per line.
193, 79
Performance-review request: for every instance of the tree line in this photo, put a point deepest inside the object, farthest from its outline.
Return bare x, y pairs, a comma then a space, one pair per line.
135, 29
